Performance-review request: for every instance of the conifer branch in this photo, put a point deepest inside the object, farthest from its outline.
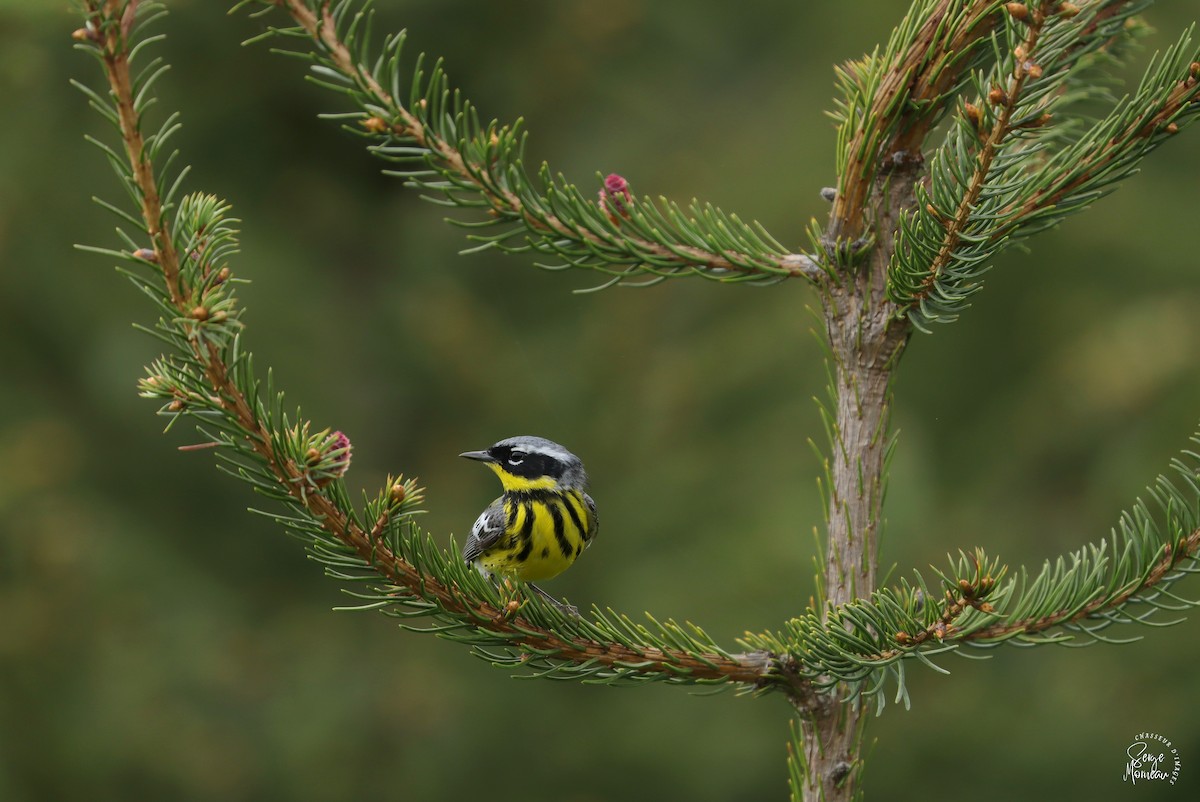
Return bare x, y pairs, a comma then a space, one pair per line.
1125, 579
1178, 557
210, 378
1156, 122
480, 166
891, 101
955, 228
1014, 163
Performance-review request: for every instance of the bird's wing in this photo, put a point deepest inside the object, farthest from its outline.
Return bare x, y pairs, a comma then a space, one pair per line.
487, 529
593, 518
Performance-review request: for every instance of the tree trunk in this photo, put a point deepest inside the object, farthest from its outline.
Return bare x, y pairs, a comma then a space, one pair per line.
866, 339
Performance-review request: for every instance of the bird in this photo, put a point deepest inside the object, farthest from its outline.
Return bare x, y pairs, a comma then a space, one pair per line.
542, 521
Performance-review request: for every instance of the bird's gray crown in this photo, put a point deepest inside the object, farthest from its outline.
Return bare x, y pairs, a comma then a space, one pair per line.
529, 456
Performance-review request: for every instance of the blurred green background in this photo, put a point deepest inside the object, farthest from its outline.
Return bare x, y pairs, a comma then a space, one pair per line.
157, 642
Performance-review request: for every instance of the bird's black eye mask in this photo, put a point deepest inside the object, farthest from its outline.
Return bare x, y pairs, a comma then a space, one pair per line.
524, 464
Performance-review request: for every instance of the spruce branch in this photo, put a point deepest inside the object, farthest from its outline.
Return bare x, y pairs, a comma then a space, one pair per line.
1167, 99
978, 602
1018, 159
954, 228
436, 139
890, 101
209, 377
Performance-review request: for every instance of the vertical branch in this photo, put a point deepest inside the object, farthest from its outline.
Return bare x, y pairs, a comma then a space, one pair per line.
866, 338
900, 105
867, 335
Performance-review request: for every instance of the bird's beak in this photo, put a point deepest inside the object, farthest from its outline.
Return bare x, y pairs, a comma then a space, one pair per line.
482, 456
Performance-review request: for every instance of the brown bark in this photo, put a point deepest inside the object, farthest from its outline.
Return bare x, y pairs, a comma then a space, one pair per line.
866, 338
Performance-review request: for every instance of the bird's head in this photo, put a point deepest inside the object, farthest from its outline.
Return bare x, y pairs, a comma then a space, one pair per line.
532, 463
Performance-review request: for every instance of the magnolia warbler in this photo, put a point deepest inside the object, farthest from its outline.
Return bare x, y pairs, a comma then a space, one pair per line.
544, 519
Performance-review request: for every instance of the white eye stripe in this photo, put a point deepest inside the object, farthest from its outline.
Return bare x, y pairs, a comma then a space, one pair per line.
553, 453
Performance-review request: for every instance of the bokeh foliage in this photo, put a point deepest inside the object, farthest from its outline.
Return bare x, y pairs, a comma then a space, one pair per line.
148, 644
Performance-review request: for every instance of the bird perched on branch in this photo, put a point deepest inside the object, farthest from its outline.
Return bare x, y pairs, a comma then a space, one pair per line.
544, 519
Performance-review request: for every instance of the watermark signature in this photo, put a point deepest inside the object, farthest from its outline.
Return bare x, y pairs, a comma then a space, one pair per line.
1151, 758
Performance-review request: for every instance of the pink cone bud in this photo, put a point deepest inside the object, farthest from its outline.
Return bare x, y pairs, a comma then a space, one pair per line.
614, 196
337, 449
328, 458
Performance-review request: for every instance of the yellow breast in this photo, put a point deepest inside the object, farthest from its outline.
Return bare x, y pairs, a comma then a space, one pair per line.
544, 533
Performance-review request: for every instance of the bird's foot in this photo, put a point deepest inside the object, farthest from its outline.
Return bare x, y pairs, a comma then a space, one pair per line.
561, 605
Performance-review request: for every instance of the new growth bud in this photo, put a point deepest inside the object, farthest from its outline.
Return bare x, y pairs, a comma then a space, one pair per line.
972, 113
1017, 11
1038, 122
614, 197
327, 458
88, 33
376, 125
